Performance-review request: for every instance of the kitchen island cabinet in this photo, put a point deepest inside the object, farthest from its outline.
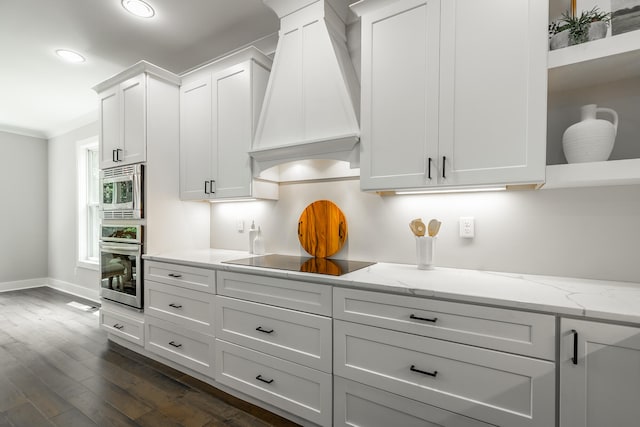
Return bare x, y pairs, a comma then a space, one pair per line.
124, 103
599, 374
451, 111
219, 107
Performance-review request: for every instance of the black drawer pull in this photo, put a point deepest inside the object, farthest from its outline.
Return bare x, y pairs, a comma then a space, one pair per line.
574, 359
174, 344
174, 275
259, 378
118, 326
175, 305
425, 319
266, 331
431, 374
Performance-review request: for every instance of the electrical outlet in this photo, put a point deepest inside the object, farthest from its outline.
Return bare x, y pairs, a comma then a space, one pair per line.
467, 227
240, 226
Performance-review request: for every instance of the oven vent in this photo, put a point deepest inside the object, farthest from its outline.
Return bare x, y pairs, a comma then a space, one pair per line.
119, 171
118, 215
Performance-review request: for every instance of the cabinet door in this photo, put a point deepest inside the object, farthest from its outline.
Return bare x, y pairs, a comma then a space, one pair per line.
232, 131
400, 63
109, 127
493, 92
195, 140
133, 120
599, 374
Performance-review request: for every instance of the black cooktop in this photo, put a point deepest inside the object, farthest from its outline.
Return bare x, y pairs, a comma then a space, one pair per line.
330, 266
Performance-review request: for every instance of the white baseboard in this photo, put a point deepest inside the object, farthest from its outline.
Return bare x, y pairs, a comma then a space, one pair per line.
73, 289
23, 284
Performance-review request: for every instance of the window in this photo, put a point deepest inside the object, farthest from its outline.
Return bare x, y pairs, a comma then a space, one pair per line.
88, 203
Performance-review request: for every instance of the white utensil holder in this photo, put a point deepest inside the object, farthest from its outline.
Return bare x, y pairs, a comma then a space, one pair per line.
425, 251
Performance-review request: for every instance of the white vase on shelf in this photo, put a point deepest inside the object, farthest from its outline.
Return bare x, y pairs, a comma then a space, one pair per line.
591, 139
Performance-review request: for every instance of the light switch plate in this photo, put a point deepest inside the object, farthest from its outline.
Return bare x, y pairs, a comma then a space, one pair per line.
467, 227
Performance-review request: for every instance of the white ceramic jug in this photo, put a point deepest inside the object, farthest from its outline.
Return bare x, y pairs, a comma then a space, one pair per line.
591, 139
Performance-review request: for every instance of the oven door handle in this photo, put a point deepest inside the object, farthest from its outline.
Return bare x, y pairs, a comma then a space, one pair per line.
130, 248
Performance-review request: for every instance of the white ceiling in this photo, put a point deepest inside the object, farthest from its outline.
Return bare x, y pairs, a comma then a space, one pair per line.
41, 95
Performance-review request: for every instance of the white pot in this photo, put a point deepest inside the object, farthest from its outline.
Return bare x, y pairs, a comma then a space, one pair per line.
597, 30
591, 139
559, 40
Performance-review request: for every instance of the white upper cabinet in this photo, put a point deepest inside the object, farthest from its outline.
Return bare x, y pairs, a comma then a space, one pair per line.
124, 104
123, 123
599, 374
218, 115
453, 94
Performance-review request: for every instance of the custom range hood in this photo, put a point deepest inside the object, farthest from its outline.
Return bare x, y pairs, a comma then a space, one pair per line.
311, 107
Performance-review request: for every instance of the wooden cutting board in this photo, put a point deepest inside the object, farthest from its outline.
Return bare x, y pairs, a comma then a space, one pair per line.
322, 229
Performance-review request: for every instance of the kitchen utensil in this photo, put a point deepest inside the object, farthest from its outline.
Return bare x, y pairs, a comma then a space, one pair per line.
433, 227
322, 229
417, 227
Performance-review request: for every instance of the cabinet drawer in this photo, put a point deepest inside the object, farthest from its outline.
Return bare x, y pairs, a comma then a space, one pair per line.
294, 388
191, 309
356, 404
188, 348
294, 294
199, 279
292, 335
487, 385
122, 326
512, 331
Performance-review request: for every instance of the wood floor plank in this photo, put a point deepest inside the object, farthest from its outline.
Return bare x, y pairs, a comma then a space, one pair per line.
26, 415
117, 397
43, 398
10, 395
73, 418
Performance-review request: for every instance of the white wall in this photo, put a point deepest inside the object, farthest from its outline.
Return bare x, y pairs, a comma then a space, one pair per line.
62, 189
588, 233
23, 209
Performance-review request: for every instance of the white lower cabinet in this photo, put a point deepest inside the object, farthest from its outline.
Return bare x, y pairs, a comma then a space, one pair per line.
495, 387
181, 345
121, 324
292, 387
356, 404
292, 335
599, 374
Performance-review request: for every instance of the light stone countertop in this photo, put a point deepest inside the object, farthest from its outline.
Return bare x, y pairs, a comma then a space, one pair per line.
593, 299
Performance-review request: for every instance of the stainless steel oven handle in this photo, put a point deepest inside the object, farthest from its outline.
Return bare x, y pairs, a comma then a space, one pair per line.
129, 248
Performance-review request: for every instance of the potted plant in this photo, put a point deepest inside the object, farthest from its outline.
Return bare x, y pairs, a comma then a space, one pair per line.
575, 29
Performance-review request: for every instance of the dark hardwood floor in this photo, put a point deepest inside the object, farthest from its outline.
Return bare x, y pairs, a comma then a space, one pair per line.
58, 368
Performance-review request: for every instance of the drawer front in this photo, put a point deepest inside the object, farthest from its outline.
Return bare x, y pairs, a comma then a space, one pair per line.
188, 348
199, 279
487, 385
123, 326
191, 309
292, 335
294, 388
293, 294
512, 331
356, 404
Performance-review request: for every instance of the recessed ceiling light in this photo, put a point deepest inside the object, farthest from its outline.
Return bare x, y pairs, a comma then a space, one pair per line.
138, 8
70, 56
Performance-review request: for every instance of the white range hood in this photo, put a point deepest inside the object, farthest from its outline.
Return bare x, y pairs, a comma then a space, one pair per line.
311, 108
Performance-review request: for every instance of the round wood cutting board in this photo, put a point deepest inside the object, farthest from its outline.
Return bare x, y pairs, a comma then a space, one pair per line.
322, 229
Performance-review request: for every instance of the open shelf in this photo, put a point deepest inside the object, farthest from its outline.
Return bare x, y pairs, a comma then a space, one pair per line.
593, 174
599, 61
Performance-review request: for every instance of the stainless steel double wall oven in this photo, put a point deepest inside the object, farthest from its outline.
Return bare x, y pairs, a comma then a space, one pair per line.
121, 234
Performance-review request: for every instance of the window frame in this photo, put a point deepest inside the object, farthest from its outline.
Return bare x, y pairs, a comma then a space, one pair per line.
84, 205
